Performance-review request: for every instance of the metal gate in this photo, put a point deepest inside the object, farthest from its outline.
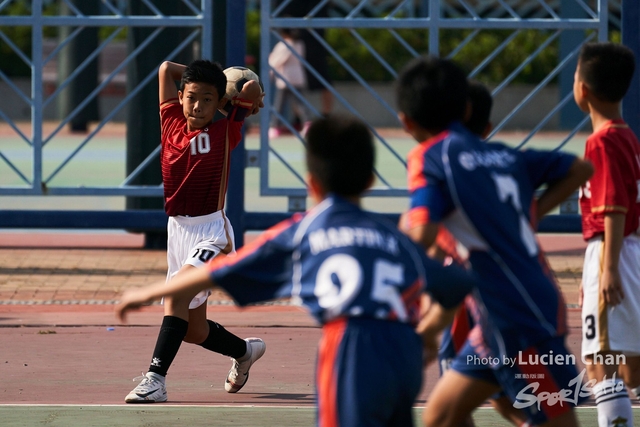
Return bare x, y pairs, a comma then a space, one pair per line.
416, 27
431, 22
25, 168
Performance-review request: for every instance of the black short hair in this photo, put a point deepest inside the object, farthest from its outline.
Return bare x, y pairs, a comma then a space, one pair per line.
204, 71
432, 91
340, 154
481, 104
606, 68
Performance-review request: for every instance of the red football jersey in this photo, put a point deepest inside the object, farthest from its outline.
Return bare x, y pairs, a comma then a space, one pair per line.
614, 151
195, 165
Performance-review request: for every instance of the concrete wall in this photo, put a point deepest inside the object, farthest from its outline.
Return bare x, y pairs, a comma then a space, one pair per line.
364, 103
375, 113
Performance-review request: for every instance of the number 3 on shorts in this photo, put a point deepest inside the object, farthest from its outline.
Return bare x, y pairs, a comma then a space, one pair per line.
590, 327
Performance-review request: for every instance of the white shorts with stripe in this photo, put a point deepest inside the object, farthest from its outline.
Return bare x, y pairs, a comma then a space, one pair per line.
196, 240
611, 328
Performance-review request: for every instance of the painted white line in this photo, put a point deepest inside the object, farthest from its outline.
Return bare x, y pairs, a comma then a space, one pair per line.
146, 406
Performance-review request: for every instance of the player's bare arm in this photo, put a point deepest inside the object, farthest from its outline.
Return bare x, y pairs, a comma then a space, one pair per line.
434, 251
610, 284
251, 91
183, 285
579, 172
168, 73
425, 235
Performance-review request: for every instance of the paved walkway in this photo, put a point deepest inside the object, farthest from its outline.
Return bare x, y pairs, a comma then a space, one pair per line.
56, 291
93, 268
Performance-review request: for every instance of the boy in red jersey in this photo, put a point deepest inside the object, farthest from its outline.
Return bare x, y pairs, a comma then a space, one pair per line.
610, 207
358, 276
195, 166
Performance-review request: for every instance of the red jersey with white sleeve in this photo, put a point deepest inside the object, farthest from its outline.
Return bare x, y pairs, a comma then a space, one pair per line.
195, 165
614, 151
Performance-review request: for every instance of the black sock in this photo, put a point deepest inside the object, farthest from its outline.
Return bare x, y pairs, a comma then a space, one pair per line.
224, 342
170, 337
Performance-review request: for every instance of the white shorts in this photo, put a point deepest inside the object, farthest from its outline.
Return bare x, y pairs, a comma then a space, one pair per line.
194, 240
606, 328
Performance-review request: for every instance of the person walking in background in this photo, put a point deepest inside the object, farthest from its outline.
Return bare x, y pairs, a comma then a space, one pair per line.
315, 53
288, 72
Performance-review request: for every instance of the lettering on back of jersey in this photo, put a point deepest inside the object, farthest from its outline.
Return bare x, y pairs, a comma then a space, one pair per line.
322, 240
470, 160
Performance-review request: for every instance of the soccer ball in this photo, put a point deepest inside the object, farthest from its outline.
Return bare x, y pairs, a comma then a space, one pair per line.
236, 78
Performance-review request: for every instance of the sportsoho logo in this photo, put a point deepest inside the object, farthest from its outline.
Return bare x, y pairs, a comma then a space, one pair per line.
576, 389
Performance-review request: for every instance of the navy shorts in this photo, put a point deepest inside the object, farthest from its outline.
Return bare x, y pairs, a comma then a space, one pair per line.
369, 373
542, 381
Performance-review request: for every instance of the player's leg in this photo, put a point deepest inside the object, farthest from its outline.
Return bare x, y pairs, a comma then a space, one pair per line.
207, 333
629, 268
172, 331
214, 337
454, 398
504, 406
605, 330
612, 399
452, 341
630, 373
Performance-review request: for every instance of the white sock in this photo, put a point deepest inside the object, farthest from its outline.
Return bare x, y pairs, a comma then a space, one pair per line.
613, 404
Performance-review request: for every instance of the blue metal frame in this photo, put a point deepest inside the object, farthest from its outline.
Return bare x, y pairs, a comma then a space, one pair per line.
243, 220
430, 16
404, 17
201, 21
631, 38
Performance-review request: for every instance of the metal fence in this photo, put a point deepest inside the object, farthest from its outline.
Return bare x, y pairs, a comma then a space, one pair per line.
114, 17
412, 28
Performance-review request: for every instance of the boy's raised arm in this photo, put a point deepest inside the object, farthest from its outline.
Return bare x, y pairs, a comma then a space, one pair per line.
168, 73
251, 91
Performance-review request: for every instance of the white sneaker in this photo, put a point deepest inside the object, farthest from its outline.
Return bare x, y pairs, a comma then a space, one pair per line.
239, 373
150, 390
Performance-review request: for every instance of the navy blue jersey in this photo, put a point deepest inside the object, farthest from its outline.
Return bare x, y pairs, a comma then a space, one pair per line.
483, 193
340, 261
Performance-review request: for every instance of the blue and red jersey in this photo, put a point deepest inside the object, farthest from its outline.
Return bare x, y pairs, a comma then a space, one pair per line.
482, 192
340, 261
